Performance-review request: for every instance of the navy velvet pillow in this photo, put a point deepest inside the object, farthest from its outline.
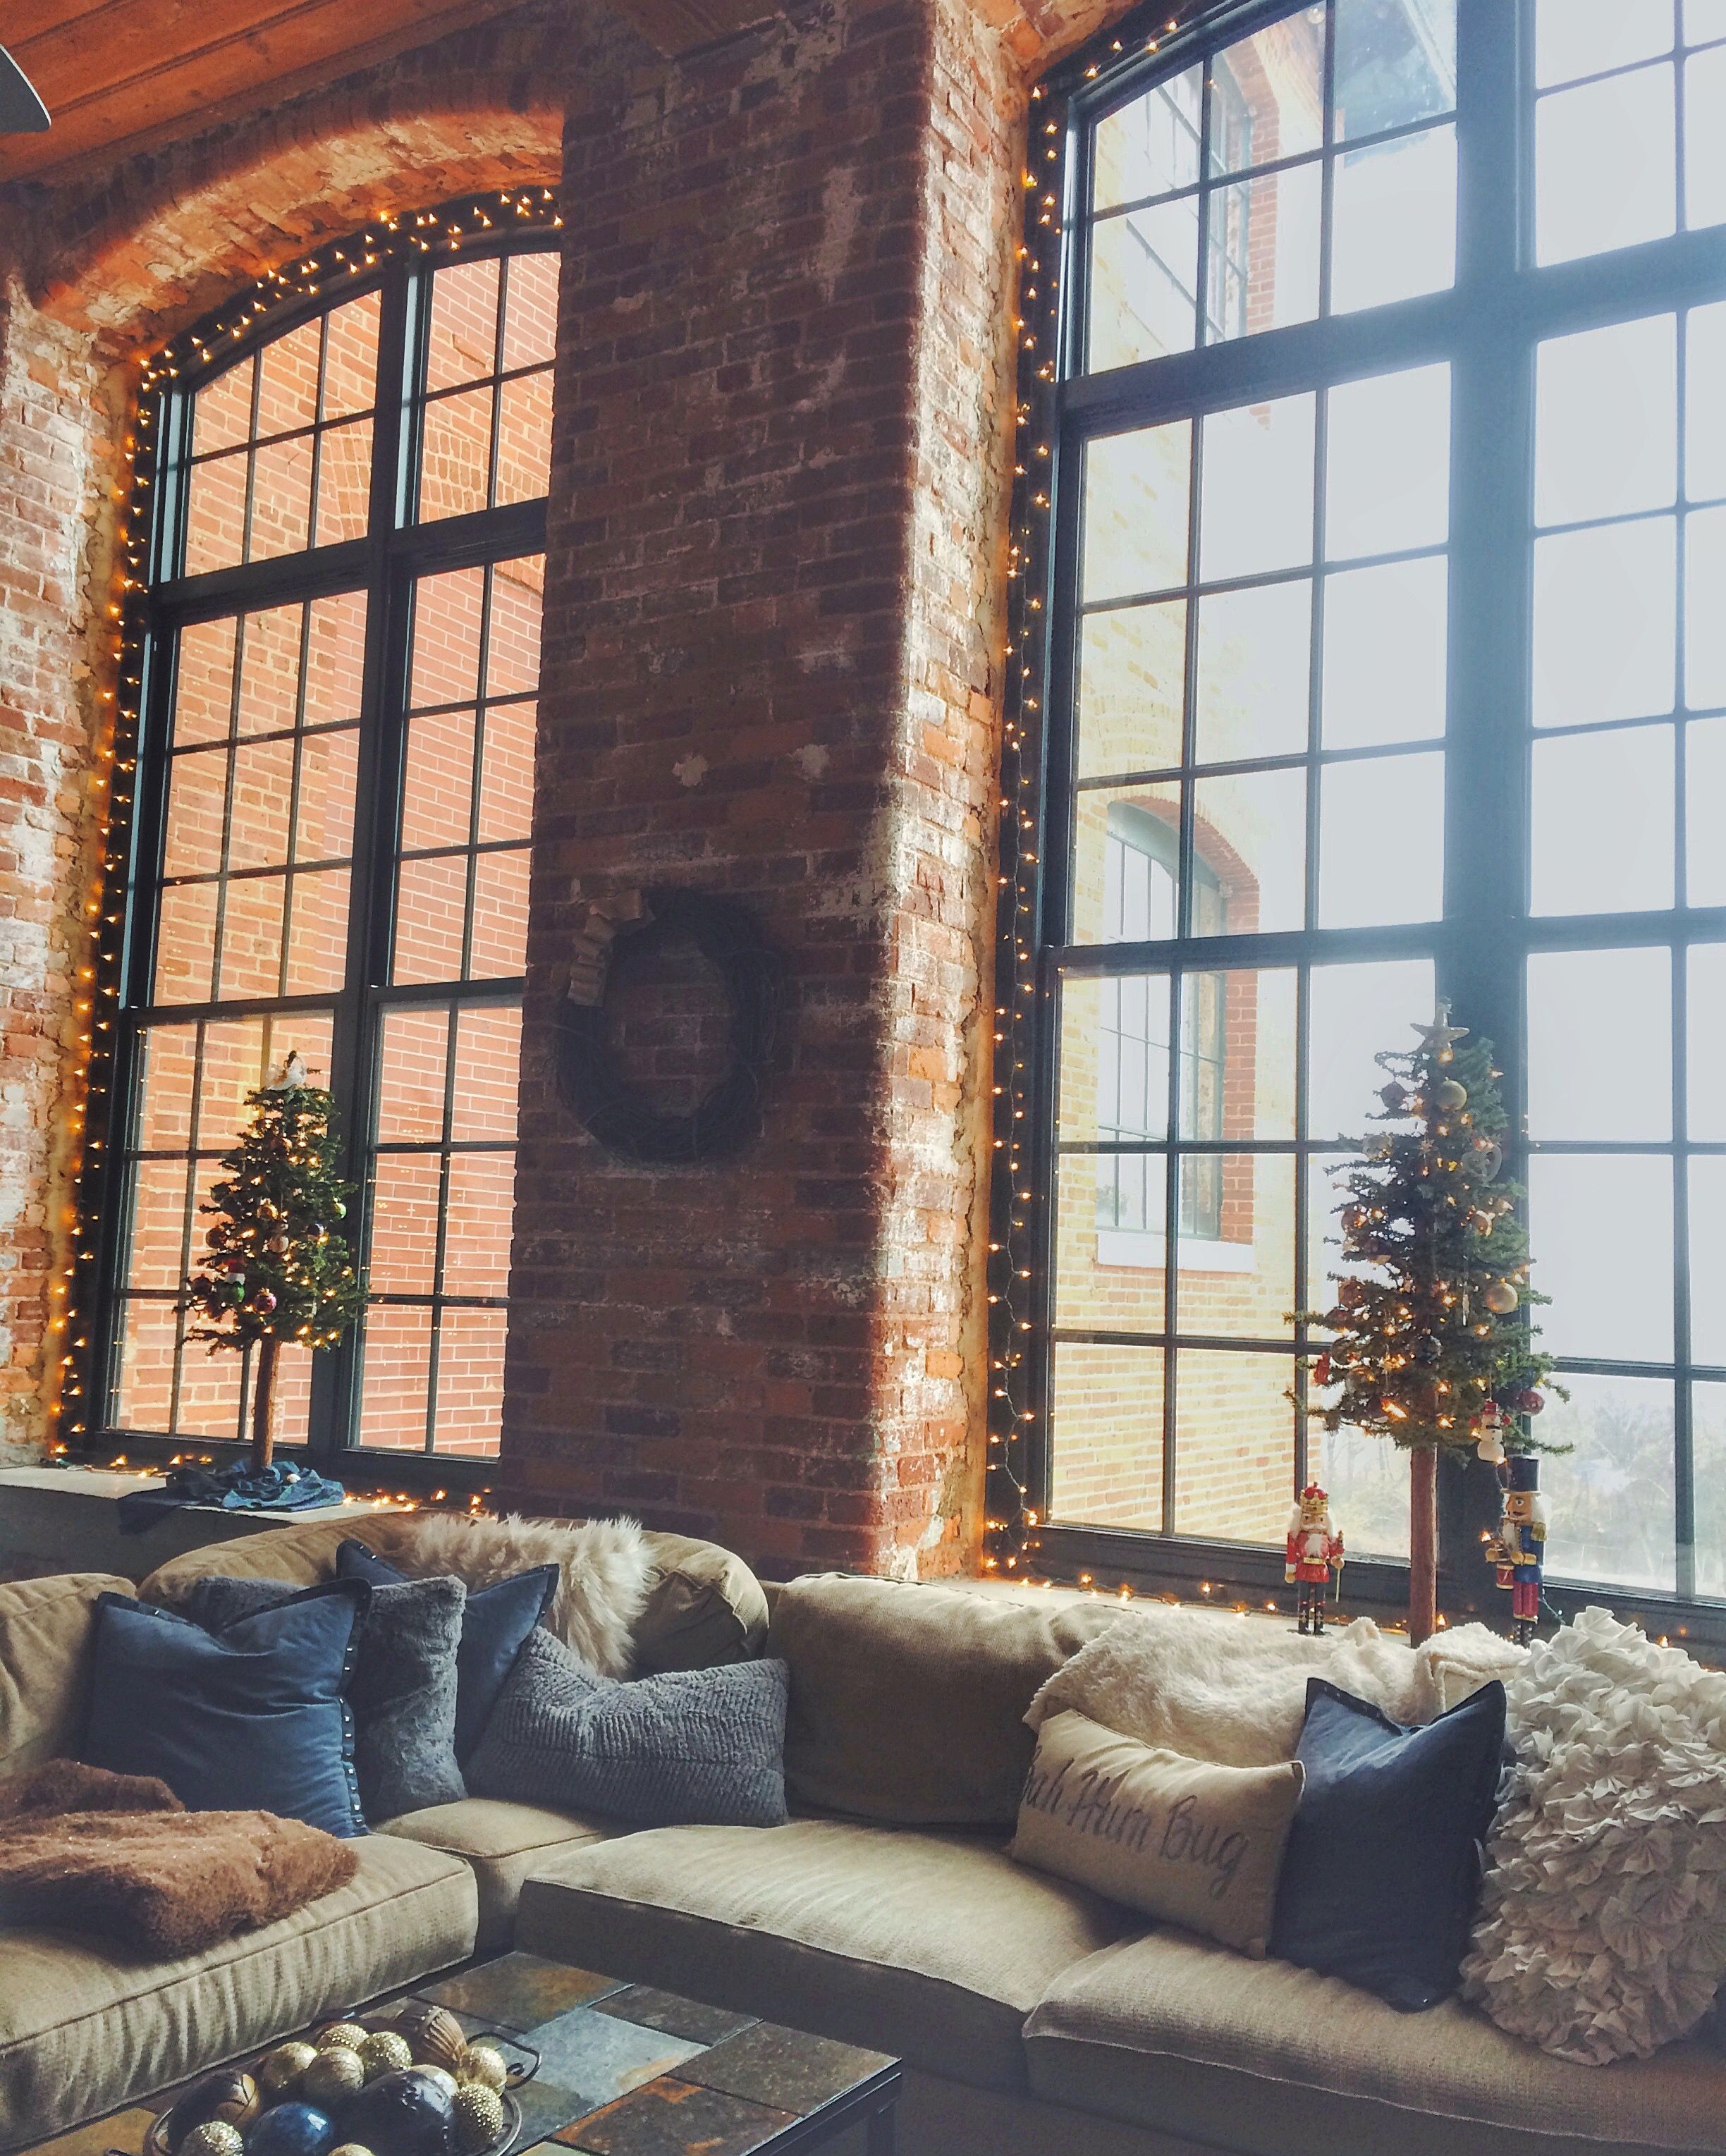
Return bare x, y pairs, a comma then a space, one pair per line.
251, 1717
494, 1625
1383, 1867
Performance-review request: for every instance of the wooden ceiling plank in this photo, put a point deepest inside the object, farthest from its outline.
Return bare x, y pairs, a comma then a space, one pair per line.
26, 23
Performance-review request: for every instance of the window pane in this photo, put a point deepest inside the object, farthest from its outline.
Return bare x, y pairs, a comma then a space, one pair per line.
148, 1330
216, 514
287, 380
196, 810
1369, 1484
185, 944
344, 483
395, 1373
410, 1084
1264, 252
1705, 404
500, 938
470, 1403
1705, 787
1587, 1080
1385, 654
447, 615
524, 438
404, 1223
1603, 838
1606, 422
281, 499
438, 783
1611, 1499
506, 772
431, 902
530, 330
462, 343
1237, 1282
1126, 859
1704, 613
1705, 140
1257, 491
1600, 1226
1106, 1408
1355, 1011
317, 933
1605, 164
1704, 19
329, 766
1605, 606
252, 936
488, 1061
269, 669
512, 631
1575, 37
1706, 1027
456, 454
1148, 147
1136, 488
263, 794
1394, 233
1267, 95
351, 357
1132, 666
1255, 662
210, 1393
1114, 1058
1381, 841
1395, 63
1238, 1055
1109, 1274
1249, 853
1234, 1447
336, 658
1144, 282
159, 1226
482, 1207
1388, 464
204, 682
1708, 1258
222, 410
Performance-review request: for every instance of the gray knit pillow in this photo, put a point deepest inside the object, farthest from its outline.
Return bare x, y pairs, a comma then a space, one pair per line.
403, 1689
691, 1747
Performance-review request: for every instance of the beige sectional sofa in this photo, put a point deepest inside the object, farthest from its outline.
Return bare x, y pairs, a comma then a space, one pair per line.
1036, 2019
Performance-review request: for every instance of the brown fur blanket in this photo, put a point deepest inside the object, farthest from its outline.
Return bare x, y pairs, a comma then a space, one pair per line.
120, 1854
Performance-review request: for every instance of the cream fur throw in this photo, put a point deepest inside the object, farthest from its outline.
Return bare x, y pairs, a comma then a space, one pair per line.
1602, 1926
606, 1573
1233, 1689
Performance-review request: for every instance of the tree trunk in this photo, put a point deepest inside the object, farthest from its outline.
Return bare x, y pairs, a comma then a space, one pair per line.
264, 1405
1423, 1542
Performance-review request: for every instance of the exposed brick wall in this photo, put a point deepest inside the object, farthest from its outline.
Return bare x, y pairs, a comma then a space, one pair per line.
771, 671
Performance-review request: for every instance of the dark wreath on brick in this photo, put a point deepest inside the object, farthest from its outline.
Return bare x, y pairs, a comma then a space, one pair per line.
729, 1115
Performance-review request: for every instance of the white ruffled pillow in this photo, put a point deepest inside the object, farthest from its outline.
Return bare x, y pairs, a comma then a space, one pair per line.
1602, 1926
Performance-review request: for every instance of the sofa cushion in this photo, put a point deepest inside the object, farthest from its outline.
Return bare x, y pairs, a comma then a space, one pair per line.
85, 2026
48, 1630
935, 1946
704, 1605
503, 1842
907, 1702
1169, 2031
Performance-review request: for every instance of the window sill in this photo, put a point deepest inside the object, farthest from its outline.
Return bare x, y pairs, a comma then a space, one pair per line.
1136, 1249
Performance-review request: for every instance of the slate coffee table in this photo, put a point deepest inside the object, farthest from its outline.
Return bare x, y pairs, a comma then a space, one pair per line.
628, 2071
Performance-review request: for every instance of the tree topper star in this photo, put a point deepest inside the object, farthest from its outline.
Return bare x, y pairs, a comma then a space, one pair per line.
1439, 1037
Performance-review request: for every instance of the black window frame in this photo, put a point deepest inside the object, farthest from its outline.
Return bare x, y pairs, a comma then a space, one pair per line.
396, 257
1487, 328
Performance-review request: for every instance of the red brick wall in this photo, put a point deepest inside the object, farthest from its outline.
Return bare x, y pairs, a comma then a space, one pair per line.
771, 671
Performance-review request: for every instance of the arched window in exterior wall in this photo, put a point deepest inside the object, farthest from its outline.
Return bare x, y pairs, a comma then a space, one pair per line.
1368, 546
338, 649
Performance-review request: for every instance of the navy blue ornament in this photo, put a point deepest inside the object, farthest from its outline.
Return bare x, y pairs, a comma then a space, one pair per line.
402, 2114
291, 2129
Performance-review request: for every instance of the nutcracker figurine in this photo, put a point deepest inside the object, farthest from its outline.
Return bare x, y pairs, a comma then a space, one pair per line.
1519, 1550
1314, 1555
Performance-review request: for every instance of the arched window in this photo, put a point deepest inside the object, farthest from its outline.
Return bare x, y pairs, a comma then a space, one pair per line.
339, 656
1371, 542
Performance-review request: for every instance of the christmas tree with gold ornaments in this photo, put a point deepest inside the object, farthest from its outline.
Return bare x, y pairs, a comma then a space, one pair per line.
1433, 1344
278, 1267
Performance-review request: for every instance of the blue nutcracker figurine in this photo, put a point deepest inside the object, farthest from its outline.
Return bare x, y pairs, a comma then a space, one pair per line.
1519, 1550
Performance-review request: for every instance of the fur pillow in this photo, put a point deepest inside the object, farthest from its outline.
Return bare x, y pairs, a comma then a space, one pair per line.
1602, 1930
605, 1572
1234, 1690
401, 1690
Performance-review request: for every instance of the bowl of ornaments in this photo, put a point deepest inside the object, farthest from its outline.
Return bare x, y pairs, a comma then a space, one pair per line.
407, 2082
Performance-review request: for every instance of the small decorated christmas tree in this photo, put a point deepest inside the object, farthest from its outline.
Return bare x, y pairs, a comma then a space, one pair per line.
1434, 1347
277, 1269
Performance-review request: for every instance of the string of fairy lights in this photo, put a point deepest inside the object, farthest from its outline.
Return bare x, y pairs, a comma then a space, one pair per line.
327, 272
1010, 1540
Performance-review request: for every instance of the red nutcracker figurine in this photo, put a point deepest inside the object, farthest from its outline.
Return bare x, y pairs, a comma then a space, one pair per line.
1314, 1556
1519, 1550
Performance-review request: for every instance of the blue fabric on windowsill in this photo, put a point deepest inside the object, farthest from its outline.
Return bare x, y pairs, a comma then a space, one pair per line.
283, 1486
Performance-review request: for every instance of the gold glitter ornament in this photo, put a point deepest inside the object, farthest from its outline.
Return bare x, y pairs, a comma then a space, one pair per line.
346, 2035
214, 2138
481, 2063
478, 2118
333, 2075
279, 2070
384, 2052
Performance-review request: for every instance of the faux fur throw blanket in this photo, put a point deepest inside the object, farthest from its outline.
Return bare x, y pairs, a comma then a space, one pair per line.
121, 1854
1233, 1689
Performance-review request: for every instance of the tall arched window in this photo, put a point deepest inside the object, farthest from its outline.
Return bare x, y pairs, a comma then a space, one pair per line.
338, 654
1372, 521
